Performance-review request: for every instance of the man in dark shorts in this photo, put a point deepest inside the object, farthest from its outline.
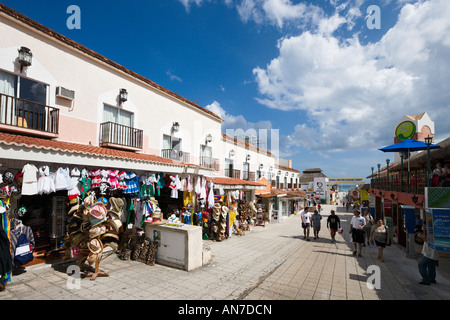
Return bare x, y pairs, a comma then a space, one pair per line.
357, 230
333, 223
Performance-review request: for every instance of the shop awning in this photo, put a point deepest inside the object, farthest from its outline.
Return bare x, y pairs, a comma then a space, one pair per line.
295, 194
235, 184
275, 193
25, 148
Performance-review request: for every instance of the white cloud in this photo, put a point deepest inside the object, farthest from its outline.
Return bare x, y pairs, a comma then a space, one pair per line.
278, 12
354, 94
236, 122
187, 3
173, 77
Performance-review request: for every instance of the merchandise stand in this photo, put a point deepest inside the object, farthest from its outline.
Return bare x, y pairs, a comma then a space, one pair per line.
97, 271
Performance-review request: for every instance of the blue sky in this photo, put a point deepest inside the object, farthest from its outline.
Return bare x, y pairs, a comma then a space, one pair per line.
333, 88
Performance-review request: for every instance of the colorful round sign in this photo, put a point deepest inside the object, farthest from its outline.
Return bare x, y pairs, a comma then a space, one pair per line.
405, 130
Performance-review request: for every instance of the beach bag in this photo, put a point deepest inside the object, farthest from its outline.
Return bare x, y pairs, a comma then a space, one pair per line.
23, 254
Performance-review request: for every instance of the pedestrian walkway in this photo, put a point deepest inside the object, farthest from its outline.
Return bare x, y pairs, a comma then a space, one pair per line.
268, 263
322, 270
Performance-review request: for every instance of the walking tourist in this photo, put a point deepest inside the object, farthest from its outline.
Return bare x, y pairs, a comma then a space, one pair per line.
306, 222
334, 224
427, 265
357, 230
380, 234
315, 220
367, 227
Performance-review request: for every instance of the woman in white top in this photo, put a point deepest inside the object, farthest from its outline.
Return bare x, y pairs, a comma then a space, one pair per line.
381, 237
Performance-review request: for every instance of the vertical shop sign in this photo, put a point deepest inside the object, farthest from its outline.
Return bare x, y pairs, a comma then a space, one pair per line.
438, 229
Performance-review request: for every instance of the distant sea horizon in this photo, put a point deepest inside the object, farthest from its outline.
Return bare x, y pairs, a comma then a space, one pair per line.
344, 187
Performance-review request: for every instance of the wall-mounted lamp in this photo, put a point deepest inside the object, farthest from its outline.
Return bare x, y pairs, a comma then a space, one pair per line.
261, 167
25, 57
279, 173
175, 127
271, 169
392, 196
415, 199
248, 158
123, 95
209, 138
232, 153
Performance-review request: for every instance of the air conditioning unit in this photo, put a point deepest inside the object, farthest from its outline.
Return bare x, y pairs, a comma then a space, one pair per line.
65, 93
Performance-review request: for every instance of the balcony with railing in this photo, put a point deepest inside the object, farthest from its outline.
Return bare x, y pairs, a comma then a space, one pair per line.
211, 163
176, 155
118, 136
28, 117
414, 183
248, 175
231, 173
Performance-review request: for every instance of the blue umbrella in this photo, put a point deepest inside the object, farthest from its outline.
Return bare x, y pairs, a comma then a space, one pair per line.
409, 146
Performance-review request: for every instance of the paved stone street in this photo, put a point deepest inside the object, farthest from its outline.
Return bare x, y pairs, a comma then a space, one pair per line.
268, 263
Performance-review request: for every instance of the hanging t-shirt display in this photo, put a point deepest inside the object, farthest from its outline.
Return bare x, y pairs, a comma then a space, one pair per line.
29, 184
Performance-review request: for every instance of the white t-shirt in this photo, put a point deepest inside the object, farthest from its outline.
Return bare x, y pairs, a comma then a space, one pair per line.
357, 222
306, 216
429, 253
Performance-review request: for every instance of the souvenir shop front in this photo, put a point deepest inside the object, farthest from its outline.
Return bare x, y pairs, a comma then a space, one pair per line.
61, 204
272, 202
234, 210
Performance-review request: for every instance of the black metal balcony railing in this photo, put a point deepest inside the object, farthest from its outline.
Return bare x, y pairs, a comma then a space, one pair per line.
209, 162
176, 155
414, 183
20, 113
117, 135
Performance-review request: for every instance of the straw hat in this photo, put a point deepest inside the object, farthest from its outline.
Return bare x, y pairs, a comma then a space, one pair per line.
85, 226
116, 206
74, 209
95, 246
96, 222
216, 211
156, 214
114, 224
77, 238
110, 235
98, 210
92, 257
97, 231
89, 200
